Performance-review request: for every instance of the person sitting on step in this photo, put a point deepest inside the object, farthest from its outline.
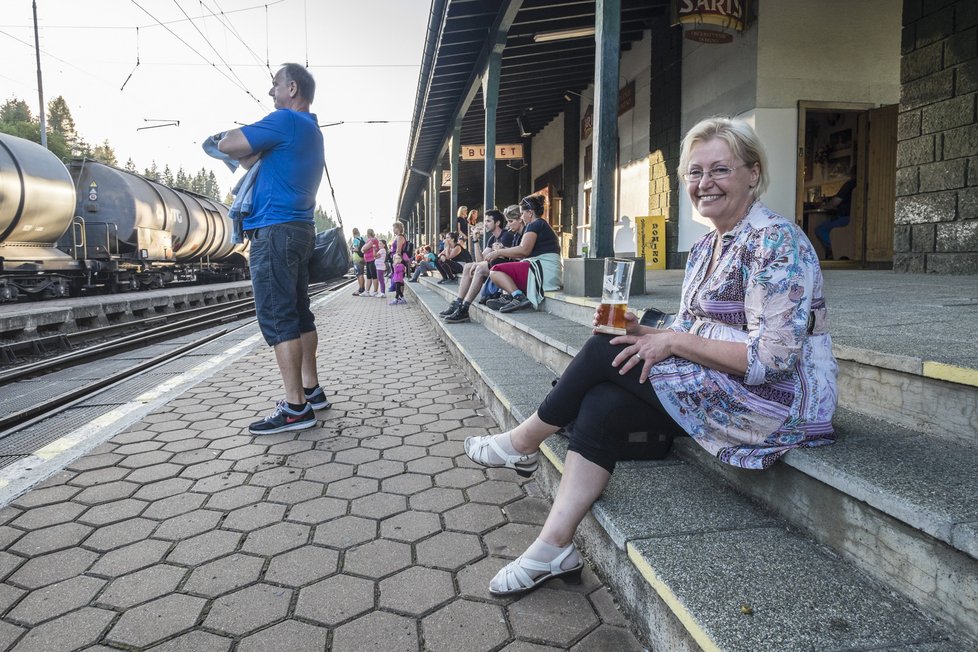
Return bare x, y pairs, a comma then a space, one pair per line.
474, 274
746, 369
453, 255
538, 266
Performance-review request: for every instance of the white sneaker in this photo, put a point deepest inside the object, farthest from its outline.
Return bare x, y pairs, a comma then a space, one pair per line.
382, 295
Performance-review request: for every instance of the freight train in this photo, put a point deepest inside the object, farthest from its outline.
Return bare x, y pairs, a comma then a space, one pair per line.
91, 227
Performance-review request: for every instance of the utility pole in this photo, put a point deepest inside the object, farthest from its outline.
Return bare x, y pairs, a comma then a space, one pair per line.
40, 87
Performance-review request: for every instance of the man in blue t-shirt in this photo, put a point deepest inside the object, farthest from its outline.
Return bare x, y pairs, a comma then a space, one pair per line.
288, 146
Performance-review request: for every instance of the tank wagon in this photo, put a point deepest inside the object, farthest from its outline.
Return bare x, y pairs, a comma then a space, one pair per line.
90, 225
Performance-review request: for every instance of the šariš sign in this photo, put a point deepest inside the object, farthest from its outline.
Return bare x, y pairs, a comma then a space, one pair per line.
729, 14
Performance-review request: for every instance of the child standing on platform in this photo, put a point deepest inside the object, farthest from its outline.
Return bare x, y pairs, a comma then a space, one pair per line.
397, 279
381, 264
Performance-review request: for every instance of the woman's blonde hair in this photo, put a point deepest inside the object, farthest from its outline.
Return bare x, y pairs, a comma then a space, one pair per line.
398, 227
370, 233
739, 136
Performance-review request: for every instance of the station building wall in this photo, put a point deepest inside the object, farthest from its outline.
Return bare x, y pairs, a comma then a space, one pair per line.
936, 226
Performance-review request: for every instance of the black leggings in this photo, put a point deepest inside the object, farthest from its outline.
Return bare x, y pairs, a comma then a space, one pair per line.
448, 268
602, 402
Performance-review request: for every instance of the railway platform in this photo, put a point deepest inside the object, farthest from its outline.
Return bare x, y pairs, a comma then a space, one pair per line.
160, 523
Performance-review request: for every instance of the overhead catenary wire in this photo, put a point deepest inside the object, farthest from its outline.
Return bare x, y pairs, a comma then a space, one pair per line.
229, 26
194, 50
211, 45
134, 67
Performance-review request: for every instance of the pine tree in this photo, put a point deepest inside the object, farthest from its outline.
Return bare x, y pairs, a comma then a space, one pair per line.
167, 177
61, 122
130, 166
181, 181
323, 219
105, 154
14, 110
152, 172
213, 190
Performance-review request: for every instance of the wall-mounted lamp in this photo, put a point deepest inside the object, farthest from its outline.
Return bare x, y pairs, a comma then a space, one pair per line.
420, 172
563, 34
524, 132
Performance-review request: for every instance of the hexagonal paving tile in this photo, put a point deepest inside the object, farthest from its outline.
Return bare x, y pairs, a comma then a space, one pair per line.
430, 465
377, 558
495, 492
327, 473
437, 499
352, 487
335, 600
302, 566
410, 526
473, 517
195, 641
291, 635
459, 478
188, 525
416, 590
380, 469
204, 547
215, 483
130, 558
156, 620
48, 569
406, 483
223, 575
253, 517
47, 515
530, 510
318, 510
473, 580
173, 505
147, 584
485, 627
50, 539
357, 455
236, 497
73, 631
295, 492
556, 617
55, 600
275, 476
377, 631
378, 505
449, 550
120, 534
249, 609
345, 532
511, 539
404, 453
276, 538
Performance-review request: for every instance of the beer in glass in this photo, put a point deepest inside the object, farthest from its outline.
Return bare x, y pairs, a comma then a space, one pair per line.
614, 296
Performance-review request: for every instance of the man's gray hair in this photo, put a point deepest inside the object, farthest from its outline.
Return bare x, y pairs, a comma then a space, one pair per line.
302, 78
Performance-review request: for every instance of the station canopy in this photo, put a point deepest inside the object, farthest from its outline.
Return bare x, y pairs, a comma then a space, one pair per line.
548, 58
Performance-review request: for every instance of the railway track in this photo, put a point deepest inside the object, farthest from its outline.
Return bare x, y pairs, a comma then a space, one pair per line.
202, 319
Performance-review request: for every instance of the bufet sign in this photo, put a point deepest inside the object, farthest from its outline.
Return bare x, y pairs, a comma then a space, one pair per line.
503, 152
730, 14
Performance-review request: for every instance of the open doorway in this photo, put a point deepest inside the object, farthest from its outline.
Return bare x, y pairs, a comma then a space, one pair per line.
846, 181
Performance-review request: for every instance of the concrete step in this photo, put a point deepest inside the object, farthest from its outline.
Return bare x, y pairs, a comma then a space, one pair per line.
900, 504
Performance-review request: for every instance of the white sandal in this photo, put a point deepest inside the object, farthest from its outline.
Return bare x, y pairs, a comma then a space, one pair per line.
479, 450
515, 579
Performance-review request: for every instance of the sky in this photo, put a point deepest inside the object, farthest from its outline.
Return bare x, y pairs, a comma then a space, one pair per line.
212, 71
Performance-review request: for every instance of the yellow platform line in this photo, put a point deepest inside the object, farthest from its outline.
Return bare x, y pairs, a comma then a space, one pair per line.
672, 601
950, 373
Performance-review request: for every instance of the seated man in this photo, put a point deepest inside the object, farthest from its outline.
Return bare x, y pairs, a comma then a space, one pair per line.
474, 274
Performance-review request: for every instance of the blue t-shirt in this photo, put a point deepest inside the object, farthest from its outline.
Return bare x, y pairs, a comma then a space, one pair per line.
547, 242
291, 167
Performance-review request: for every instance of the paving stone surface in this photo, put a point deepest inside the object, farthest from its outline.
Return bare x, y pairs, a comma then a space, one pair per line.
372, 531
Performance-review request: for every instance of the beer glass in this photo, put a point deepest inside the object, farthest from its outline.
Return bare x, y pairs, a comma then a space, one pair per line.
614, 295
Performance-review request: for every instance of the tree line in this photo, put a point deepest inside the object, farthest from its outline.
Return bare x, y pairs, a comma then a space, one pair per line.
64, 141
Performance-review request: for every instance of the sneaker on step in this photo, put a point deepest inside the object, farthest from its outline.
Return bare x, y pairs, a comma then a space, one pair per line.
460, 316
521, 302
499, 302
317, 399
284, 419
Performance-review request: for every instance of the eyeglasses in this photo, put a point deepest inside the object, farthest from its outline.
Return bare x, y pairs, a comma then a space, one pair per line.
719, 172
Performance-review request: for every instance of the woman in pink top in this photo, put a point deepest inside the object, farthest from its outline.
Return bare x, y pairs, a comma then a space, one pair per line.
369, 251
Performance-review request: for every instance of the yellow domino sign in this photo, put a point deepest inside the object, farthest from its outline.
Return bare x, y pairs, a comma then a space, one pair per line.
650, 240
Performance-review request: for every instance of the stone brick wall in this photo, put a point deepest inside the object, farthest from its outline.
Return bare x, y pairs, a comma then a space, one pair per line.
936, 223
665, 134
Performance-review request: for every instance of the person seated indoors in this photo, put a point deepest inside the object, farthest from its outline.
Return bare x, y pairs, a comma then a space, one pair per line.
425, 263
451, 259
746, 369
841, 203
538, 266
474, 274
